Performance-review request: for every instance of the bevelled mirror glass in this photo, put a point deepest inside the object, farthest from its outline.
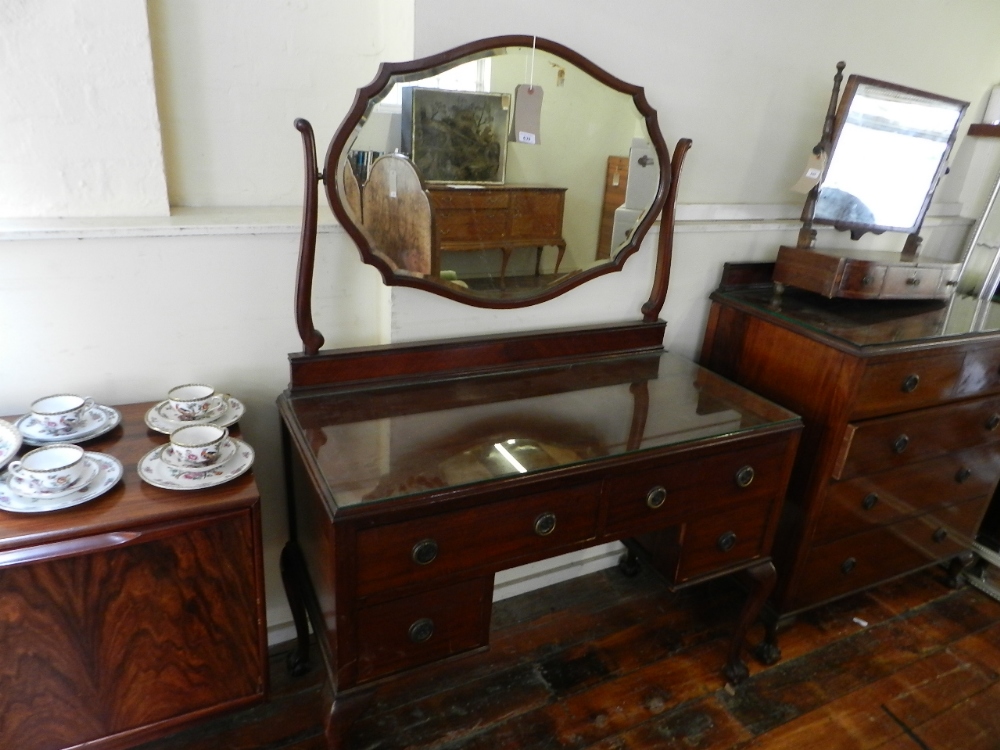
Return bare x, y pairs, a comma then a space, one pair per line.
890, 147
501, 173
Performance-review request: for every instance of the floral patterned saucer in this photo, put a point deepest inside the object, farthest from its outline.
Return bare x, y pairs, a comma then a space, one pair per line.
98, 421
10, 442
157, 468
107, 474
163, 418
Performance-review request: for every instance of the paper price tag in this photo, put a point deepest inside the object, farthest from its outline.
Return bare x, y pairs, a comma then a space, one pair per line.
523, 137
813, 173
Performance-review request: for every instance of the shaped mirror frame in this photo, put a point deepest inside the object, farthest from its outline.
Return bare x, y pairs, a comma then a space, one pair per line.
342, 195
890, 147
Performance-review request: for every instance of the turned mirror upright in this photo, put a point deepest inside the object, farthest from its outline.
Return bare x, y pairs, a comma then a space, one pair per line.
416, 472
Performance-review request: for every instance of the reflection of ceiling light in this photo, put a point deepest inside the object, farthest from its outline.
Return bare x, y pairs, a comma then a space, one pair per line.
510, 459
511, 441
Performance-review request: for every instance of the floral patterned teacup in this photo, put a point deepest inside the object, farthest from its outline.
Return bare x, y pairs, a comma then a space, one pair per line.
192, 401
197, 446
60, 414
50, 468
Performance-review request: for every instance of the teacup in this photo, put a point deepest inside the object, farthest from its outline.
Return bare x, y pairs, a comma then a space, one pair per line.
193, 400
60, 414
197, 446
49, 468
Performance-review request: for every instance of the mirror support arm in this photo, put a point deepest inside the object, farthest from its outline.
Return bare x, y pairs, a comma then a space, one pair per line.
312, 339
807, 235
665, 246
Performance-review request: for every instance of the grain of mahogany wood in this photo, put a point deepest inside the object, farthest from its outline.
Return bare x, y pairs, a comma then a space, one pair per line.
609, 663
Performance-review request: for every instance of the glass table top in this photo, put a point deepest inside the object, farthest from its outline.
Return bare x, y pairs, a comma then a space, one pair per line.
374, 445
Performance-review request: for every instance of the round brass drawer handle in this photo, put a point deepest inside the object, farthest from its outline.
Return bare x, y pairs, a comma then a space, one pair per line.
421, 630
963, 474
910, 384
867, 280
870, 500
727, 541
848, 565
656, 496
900, 444
744, 476
939, 536
993, 422
424, 552
545, 524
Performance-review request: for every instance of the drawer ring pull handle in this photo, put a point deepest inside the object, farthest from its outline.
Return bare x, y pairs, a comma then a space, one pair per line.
870, 500
421, 630
656, 496
900, 444
424, 552
963, 474
727, 541
545, 524
911, 383
993, 422
848, 565
939, 536
744, 476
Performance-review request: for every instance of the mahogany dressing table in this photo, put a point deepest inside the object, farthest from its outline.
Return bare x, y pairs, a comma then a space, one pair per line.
417, 471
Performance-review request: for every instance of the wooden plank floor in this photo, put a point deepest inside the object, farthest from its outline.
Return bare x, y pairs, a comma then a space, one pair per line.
610, 663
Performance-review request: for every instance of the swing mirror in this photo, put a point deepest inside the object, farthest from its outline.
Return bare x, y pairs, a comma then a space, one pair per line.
501, 173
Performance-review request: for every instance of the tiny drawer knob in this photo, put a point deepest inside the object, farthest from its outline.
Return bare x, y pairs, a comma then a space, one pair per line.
656, 496
939, 536
911, 383
963, 474
993, 422
726, 542
867, 280
424, 552
744, 476
545, 524
870, 500
848, 565
913, 281
899, 444
422, 630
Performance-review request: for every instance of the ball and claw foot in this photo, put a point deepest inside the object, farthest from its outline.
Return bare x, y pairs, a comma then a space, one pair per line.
297, 664
767, 653
628, 564
736, 672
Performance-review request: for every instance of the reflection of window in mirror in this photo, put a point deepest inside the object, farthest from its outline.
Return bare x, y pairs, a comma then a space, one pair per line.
471, 76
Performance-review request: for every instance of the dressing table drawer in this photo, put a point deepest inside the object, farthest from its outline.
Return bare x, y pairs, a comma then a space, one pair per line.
403, 633
862, 560
674, 492
894, 441
902, 282
720, 541
909, 383
490, 537
858, 504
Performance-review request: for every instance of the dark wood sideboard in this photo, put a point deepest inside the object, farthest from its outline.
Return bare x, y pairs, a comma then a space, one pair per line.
901, 450
134, 614
418, 471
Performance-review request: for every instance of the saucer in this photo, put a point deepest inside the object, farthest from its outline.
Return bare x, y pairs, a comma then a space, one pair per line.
17, 484
157, 472
163, 417
99, 420
169, 456
10, 442
109, 472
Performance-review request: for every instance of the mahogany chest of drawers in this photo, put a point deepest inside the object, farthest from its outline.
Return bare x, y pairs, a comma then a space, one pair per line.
900, 454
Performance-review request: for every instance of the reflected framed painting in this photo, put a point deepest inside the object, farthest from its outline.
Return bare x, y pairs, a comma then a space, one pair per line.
457, 137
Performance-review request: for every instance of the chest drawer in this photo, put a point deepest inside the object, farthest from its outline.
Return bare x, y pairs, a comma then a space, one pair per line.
858, 504
980, 372
904, 384
884, 443
471, 226
495, 536
682, 487
862, 560
472, 198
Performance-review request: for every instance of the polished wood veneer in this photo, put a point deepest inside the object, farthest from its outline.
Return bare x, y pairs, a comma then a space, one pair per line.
131, 615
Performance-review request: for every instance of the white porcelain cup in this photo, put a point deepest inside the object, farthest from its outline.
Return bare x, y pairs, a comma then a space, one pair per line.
192, 401
60, 414
49, 468
198, 446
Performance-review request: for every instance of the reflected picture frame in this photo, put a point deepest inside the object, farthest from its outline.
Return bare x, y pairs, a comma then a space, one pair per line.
456, 137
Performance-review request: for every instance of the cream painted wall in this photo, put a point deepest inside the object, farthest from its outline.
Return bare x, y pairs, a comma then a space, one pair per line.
79, 135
